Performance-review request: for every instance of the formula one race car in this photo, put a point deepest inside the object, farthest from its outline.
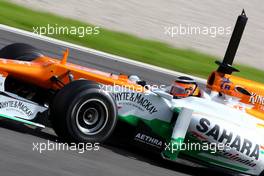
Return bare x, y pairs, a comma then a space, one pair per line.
220, 126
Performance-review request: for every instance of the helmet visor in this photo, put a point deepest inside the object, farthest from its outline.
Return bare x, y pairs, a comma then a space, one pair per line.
182, 90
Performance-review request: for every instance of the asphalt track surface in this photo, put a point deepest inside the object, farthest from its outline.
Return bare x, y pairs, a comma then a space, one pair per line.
17, 157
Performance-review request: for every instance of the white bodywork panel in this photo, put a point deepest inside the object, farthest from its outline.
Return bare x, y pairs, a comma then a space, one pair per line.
15, 106
244, 127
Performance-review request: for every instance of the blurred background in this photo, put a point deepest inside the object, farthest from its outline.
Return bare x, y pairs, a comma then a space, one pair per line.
149, 17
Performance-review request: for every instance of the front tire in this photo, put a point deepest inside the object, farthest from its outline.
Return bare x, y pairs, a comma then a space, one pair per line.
82, 112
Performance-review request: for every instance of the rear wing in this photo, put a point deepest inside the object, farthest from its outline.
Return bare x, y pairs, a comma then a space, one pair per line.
226, 65
222, 80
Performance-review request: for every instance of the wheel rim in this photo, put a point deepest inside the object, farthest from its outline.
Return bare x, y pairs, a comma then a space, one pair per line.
91, 116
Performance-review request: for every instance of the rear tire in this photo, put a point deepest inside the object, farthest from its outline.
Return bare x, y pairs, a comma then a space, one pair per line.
82, 112
20, 51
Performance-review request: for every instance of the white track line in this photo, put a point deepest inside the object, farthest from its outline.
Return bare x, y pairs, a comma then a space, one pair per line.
98, 53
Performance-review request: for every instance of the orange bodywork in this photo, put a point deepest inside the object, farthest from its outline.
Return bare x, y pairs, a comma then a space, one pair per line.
40, 71
247, 91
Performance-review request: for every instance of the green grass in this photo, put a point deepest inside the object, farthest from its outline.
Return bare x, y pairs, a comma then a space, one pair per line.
148, 51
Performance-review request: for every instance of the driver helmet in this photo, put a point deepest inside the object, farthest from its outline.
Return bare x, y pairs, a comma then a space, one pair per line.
184, 87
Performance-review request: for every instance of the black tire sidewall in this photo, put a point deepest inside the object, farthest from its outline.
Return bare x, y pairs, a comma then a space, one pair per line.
67, 98
262, 173
71, 116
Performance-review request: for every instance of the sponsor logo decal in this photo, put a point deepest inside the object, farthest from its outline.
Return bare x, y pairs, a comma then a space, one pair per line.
242, 145
148, 140
254, 98
225, 84
137, 98
17, 105
262, 149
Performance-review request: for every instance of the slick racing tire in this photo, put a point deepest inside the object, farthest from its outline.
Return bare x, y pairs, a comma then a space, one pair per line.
262, 173
82, 112
20, 51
